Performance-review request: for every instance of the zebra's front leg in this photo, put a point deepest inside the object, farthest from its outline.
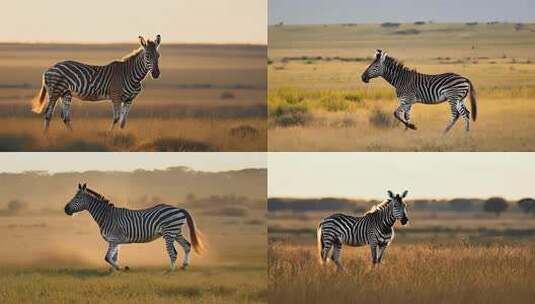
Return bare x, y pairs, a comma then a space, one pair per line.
454, 117
111, 256
116, 111
373, 248
397, 114
465, 114
124, 113
171, 251
66, 112
187, 250
380, 253
407, 115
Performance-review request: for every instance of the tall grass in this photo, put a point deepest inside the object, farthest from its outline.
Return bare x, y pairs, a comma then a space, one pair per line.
424, 273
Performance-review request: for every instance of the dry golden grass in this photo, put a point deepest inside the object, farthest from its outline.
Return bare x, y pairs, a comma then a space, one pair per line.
141, 134
423, 273
338, 106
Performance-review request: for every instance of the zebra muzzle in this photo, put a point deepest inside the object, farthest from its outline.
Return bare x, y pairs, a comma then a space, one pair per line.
404, 221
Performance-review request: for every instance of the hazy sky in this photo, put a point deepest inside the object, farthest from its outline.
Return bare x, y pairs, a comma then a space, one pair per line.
378, 11
63, 162
219, 21
424, 175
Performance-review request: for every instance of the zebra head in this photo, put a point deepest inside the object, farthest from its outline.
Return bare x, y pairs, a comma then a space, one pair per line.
399, 206
376, 67
151, 54
78, 202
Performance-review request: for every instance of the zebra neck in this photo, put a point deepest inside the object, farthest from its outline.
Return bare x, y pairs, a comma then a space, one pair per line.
98, 210
396, 76
138, 68
388, 216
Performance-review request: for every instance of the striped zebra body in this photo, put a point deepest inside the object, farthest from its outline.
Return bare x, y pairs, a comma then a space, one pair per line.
124, 226
375, 228
119, 81
413, 87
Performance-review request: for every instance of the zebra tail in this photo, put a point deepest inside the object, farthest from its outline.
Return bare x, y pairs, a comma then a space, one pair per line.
320, 244
195, 234
38, 102
473, 104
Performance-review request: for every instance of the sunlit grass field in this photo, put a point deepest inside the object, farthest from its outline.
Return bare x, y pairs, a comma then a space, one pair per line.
317, 101
417, 273
203, 93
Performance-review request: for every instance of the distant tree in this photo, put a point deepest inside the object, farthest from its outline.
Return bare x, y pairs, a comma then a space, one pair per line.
460, 204
419, 22
496, 205
527, 205
390, 24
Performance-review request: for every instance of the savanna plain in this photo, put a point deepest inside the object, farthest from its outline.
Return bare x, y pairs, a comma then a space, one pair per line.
318, 102
208, 98
49, 257
452, 251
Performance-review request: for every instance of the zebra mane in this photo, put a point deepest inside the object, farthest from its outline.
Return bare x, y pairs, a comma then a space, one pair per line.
394, 64
132, 54
378, 207
98, 196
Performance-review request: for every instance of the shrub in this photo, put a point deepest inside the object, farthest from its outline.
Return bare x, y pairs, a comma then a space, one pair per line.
244, 131
407, 32
354, 96
227, 95
471, 23
334, 104
380, 119
290, 114
419, 22
390, 24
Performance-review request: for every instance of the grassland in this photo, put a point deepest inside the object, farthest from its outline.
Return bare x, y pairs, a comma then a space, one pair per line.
442, 256
421, 273
208, 98
317, 102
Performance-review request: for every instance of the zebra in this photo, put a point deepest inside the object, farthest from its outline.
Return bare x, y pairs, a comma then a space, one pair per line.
375, 228
413, 87
123, 226
119, 81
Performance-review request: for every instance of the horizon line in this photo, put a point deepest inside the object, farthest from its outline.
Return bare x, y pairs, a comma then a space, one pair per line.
49, 172
402, 22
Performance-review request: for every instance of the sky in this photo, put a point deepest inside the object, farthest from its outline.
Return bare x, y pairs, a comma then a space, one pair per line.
424, 175
104, 161
378, 11
190, 21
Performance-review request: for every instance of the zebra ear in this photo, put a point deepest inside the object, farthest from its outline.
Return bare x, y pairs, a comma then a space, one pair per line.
84, 186
142, 41
404, 193
79, 186
390, 194
158, 40
383, 56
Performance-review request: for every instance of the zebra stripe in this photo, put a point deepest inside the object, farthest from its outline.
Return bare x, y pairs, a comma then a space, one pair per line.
119, 81
124, 226
413, 87
375, 228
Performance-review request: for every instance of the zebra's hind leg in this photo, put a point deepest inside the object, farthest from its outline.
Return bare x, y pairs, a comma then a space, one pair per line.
186, 245
465, 113
111, 256
124, 113
373, 249
454, 116
66, 112
337, 255
380, 253
397, 115
171, 251
49, 111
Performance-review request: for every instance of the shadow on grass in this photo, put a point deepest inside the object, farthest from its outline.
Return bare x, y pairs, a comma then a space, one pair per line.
75, 273
195, 292
172, 144
15, 143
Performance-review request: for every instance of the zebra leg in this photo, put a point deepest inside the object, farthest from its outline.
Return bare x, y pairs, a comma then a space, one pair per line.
171, 251
111, 256
454, 116
380, 253
124, 113
187, 250
373, 248
66, 113
116, 111
337, 255
465, 113
49, 111
397, 114
407, 115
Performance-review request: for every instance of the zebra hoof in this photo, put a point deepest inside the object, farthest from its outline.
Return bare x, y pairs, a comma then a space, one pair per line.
411, 126
185, 267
